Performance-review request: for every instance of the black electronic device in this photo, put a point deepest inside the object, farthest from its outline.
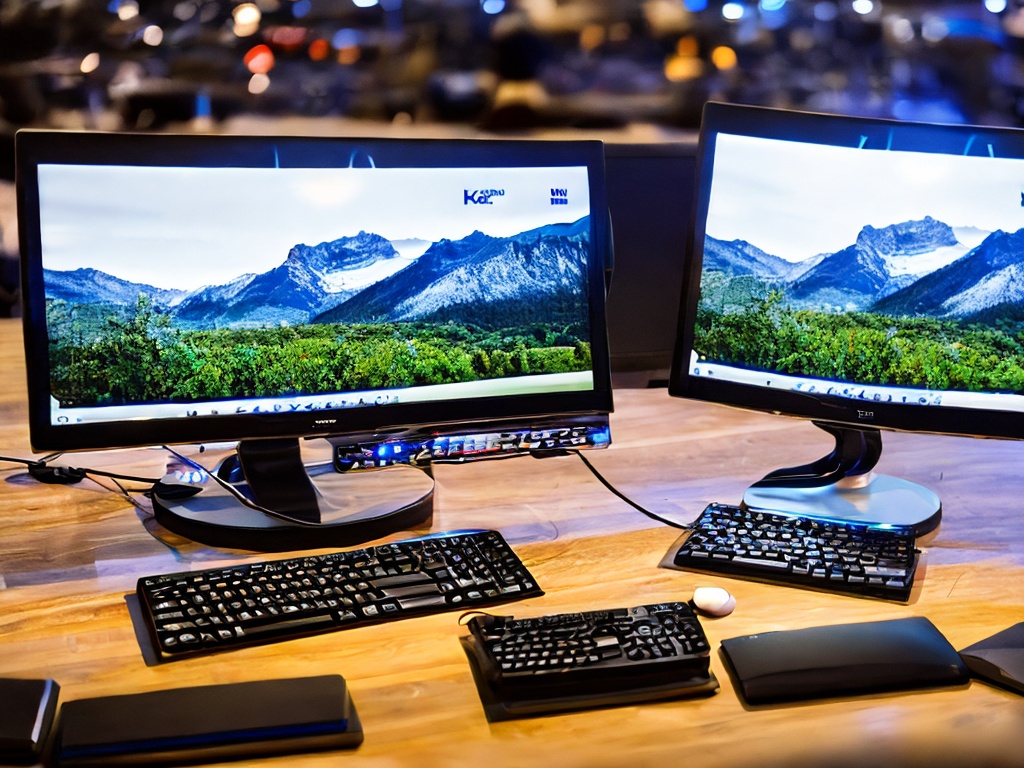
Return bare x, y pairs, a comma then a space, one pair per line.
209, 723
27, 709
219, 609
852, 558
843, 660
999, 659
860, 273
402, 298
534, 665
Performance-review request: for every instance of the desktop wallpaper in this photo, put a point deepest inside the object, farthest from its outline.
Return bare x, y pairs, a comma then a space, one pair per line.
418, 284
831, 266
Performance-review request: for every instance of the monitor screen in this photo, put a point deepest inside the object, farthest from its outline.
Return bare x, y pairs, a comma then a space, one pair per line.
184, 289
860, 272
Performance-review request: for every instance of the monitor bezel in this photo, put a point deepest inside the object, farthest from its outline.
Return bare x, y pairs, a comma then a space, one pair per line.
869, 133
34, 147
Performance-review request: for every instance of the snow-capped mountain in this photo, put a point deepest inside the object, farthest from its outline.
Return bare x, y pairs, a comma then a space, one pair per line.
921, 267
990, 275
880, 262
466, 280
366, 277
311, 278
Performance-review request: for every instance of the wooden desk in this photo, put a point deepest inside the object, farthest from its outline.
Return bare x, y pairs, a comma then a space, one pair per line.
69, 556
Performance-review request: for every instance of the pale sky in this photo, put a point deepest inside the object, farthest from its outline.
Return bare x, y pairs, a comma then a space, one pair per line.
796, 200
189, 227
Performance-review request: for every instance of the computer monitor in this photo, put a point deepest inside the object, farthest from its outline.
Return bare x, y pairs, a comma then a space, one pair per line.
867, 274
409, 300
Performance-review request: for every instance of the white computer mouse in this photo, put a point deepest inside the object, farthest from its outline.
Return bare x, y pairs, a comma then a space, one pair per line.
714, 601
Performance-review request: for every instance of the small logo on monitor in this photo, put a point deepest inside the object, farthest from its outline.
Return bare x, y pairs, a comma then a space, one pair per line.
481, 196
559, 196
865, 414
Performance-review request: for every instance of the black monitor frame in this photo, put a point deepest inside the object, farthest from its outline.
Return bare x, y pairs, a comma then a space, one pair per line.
271, 438
854, 422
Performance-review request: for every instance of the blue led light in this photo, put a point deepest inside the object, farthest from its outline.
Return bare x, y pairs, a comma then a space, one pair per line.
825, 11
191, 476
863, 7
733, 11
345, 38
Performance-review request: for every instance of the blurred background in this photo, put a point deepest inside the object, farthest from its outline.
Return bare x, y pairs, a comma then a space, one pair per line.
501, 64
626, 69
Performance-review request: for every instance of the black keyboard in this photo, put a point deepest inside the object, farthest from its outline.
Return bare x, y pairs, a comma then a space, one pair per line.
217, 609
592, 658
854, 558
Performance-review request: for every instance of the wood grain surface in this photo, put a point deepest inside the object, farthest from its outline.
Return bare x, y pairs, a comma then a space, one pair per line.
70, 556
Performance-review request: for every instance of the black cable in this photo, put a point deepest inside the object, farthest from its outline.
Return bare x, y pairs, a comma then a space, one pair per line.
74, 474
13, 460
41, 470
125, 492
30, 462
119, 476
46, 473
621, 495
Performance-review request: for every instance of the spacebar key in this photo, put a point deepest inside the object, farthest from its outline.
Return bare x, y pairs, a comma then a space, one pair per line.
421, 601
757, 562
294, 627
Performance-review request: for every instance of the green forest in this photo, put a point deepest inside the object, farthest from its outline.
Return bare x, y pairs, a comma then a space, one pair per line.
767, 333
113, 355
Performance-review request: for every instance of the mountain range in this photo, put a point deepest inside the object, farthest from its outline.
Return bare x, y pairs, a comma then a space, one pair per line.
365, 278
532, 273
921, 267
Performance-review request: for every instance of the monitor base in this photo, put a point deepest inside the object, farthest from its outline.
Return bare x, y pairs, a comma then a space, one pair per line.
842, 485
355, 508
873, 500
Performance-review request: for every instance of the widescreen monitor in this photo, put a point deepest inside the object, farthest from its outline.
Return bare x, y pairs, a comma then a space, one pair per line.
409, 300
867, 274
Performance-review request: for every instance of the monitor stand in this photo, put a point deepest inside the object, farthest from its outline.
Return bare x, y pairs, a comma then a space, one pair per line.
264, 498
842, 486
